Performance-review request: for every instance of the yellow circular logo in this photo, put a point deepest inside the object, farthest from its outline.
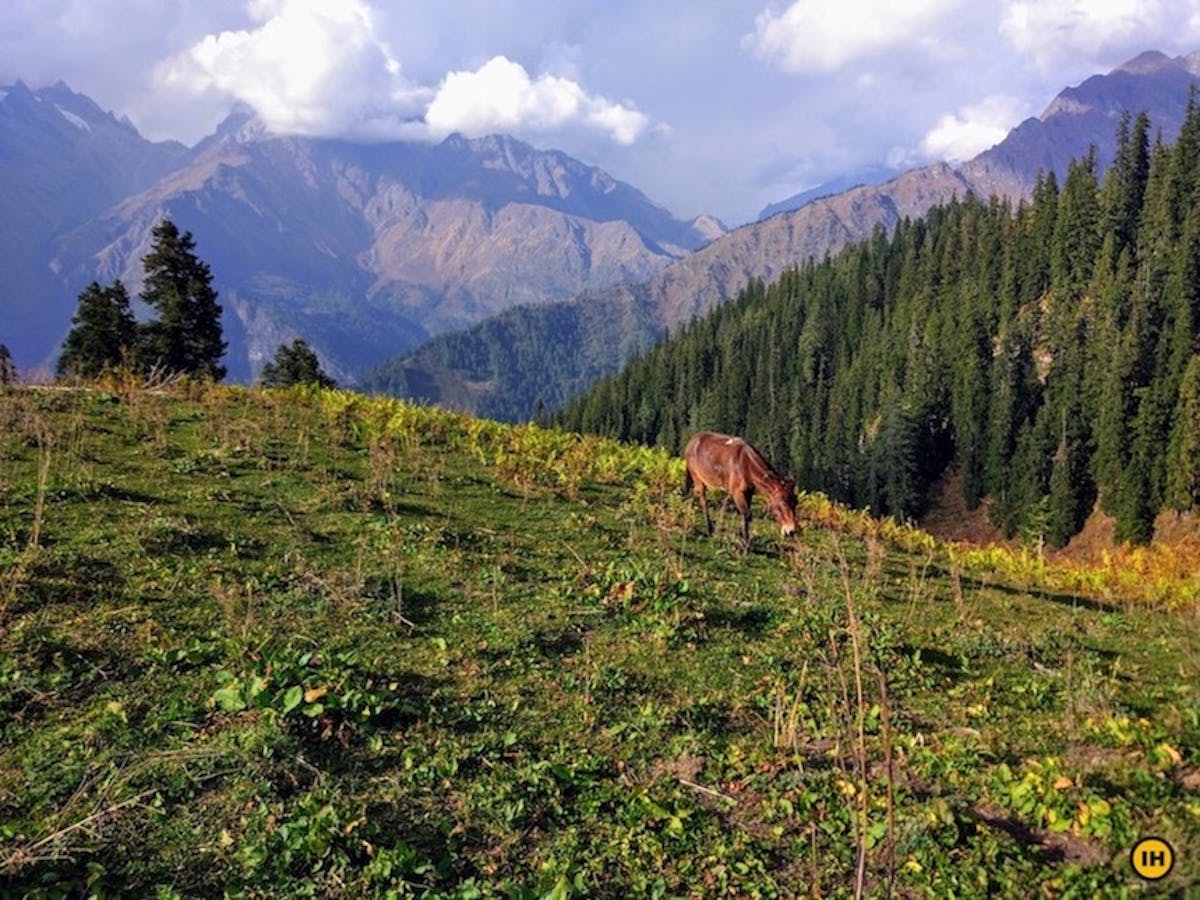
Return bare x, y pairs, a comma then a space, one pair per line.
1152, 858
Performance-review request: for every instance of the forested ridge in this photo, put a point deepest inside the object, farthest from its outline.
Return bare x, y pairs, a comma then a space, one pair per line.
1050, 352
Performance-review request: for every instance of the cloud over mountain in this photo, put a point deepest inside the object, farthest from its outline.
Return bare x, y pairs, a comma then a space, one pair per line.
960, 135
500, 96
720, 107
1047, 32
319, 68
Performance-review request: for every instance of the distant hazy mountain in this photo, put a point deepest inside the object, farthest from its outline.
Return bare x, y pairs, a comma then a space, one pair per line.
494, 379
364, 250
867, 176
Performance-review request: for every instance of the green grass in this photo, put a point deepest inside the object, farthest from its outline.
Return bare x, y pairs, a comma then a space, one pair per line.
273, 644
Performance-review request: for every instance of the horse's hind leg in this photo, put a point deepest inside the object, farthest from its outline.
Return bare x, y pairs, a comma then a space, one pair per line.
703, 494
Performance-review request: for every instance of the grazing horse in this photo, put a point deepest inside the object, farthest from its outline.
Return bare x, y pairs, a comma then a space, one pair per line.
731, 464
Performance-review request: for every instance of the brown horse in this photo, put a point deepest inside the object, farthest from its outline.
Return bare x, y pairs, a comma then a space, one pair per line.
731, 464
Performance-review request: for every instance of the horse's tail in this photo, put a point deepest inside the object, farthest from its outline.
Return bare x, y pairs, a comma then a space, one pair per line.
688, 483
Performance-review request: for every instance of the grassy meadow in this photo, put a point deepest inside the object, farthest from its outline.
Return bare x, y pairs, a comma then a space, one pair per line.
306, 642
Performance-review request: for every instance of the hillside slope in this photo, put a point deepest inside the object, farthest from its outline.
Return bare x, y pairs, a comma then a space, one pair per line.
1077, 119
1049, 356
284, 642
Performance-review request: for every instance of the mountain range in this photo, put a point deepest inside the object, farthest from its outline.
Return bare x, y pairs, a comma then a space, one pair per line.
491, 370
381, 255
364, 250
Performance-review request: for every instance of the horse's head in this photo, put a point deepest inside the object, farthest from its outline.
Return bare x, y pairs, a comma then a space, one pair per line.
782, 505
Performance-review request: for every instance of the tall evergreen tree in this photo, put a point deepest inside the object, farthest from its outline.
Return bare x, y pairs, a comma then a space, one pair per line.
1035, 238
293, 364
186, 336
1183, 452
1076, 230
103, 333
1124, 186
8, 371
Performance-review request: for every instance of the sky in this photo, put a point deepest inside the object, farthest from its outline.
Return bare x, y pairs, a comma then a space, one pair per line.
707, 106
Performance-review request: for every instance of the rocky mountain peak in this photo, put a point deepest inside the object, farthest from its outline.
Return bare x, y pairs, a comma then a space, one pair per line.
1148, 62
709, 227
242, 124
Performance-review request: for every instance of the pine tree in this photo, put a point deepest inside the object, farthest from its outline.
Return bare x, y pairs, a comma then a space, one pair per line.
8, 371
1183, 452
103, 333
295, 364
186, 337
1124, 187
1076, 230
969, 396
1136, 501
1035, 238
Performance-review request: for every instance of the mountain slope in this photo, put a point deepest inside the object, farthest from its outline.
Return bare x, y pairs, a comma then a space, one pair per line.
421, 653
1078, 118
62, 160
362, 249
868, 176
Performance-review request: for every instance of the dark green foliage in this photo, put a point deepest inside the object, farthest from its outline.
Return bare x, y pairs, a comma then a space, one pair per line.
1183, 453
1041, 354
295, 364
103, 333
8, 371
1076, 230
529, 357
1125, 184
186, 336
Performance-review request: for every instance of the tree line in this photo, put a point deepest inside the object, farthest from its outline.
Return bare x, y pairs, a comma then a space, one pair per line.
1049, 352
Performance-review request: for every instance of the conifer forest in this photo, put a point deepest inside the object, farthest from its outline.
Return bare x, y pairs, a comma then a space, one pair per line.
1049, 352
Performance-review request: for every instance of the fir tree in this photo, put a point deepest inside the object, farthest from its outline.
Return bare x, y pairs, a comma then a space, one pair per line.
186, 336
103, 333
1076, 230
1136, 502
295, 364
1124, 185
8, 371
1183, 452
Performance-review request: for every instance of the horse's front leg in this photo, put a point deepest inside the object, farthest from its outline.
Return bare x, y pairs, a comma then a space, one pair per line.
742, 501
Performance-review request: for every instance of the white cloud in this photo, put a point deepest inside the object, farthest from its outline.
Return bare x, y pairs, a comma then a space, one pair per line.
500, 96
824, 35
318, 68
311, 67
960, 136
1098, 29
